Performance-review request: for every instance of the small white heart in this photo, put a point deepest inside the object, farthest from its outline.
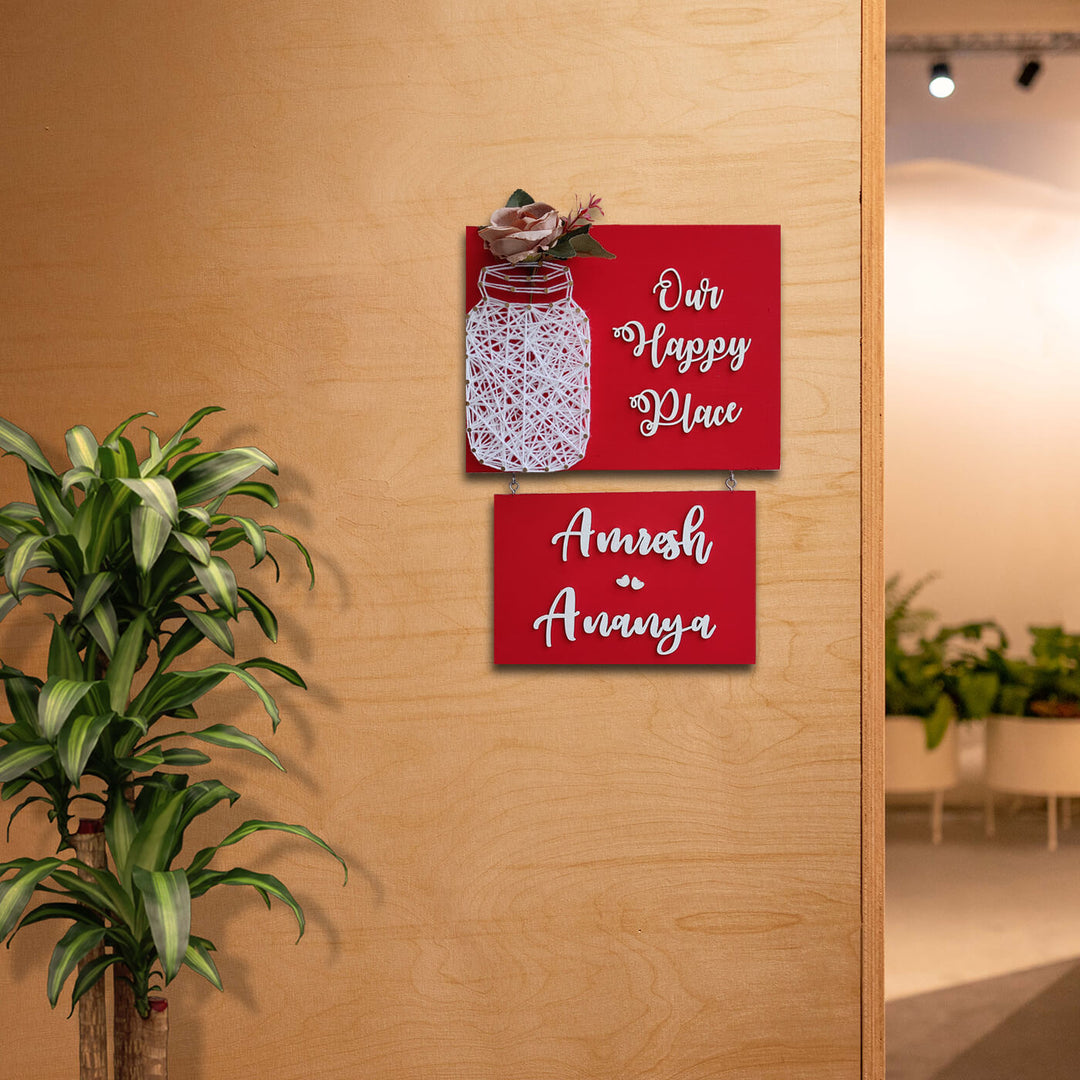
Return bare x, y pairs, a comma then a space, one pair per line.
623, 581
637, 583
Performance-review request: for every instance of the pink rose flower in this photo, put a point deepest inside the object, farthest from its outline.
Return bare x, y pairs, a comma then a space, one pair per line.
518, 233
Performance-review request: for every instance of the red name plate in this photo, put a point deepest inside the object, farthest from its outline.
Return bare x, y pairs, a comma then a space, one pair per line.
685, 346
625, 578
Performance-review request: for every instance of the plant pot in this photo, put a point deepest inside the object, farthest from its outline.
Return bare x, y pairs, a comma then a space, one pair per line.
911, 769
1029, 756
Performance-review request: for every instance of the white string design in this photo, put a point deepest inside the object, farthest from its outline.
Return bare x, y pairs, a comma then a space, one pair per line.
527, 378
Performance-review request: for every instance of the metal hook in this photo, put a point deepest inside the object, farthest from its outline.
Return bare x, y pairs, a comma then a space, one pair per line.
513, 484
730, 483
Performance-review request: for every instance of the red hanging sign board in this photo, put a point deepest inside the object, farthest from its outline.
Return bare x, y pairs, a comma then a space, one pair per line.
684, 348
625, 578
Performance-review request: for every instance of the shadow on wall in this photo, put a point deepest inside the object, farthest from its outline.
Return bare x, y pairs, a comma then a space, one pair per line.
982, 346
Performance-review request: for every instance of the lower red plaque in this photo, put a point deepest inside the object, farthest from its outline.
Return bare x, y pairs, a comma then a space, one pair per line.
661, 577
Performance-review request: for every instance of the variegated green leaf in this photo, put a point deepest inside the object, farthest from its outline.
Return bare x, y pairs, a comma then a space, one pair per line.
14, 440
90, 590
265, 884
70, 949
79, 477
299, 547
183, 757
23, 554
198, 959
17, 759
149, 534
54, 513
200, 797
64, 662
77, 740
114, 435
155, 838
282, 671
249, 827
195, 546
90, 976
58, 698
168, 907
158, 493
232, 738
211, 628
119, 830
199, 513
8, 603
218, 579
107, 503
125, 662
101, 622
22, 697
170, 447
15, 892
263, 615
229, 669
256, 490
216, 475
82, 448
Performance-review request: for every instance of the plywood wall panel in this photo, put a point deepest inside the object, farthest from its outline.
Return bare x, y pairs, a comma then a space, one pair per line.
593, 873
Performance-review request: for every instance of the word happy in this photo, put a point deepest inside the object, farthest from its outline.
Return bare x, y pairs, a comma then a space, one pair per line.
579, 536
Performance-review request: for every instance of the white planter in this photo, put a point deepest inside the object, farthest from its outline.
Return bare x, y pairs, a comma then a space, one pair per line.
912, 769
1034, 757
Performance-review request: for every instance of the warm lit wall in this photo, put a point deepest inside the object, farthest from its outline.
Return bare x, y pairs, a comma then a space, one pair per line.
592, 873
988, 16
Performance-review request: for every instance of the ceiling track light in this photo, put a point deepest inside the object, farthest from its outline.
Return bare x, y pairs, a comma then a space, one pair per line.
1030, 69
941, 81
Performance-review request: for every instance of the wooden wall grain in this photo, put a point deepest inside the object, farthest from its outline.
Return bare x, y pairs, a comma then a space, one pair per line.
602, 874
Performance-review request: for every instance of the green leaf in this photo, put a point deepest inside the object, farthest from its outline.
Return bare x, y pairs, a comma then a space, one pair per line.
195, 418
167, 691
212, 628
58, 698
256, 537
125, 662
17, 759
77, 741
101, 891
182, 639
265, 884
203, 857
234, 739
183, 757
255, 490
218, 579
219, 473
587, 244
101, 622
239, 671
158, 493
44, 912
203, 796
121, 428
282, 671
118, 460
299, 546
70, 949
77, 478
120, 830
90, 590
150, 532
107, 503
155, 838
198, 959
22, 555
66, 555
199, 514
263, 615
168, 907
22, 696
54, 513
13, 440
520, 198
91, 975
15, 892
937, 722
82, 448
64, 662
195, 546
8, 603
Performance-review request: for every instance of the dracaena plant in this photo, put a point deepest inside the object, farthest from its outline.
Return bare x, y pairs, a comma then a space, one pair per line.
128, 556
140, 910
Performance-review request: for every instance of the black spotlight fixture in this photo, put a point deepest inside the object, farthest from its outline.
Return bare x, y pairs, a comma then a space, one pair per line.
941, 80
1029, 72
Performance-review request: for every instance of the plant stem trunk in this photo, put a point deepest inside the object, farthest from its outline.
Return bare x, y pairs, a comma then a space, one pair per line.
154, 1041
126, 1021
89, 843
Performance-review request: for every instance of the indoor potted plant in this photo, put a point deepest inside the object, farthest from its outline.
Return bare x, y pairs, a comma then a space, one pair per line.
129, 555
929, 683
1033, 740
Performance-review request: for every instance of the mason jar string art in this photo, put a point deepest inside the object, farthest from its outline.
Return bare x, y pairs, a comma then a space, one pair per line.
527, 379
